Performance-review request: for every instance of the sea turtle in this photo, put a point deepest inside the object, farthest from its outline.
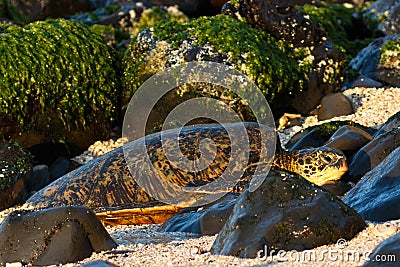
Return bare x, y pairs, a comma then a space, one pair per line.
108, 187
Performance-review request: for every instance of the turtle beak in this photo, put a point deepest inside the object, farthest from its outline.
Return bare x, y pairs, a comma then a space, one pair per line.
342, 166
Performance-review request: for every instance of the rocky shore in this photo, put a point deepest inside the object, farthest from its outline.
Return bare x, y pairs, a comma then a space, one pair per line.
325, 74
147, 246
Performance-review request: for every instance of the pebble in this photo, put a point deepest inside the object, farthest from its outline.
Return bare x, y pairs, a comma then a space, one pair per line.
373, 107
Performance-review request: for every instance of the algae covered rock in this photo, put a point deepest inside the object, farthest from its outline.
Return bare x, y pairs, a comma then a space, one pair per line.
58, 81
52, 236
15, 169
379, 61
286, 212
222, 39
345, 30
281, 19
150, 17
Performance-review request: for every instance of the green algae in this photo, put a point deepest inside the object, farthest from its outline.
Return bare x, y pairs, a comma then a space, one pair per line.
59, 69
154, 15
338, 22
390, 54
273, 65
8, 11
15, 163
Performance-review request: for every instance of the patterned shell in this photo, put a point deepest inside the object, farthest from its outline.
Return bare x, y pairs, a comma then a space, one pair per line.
107, 183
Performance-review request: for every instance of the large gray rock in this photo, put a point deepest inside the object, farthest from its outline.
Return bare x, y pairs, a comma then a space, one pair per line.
373, 153
286, 212
348, 138
392, 123
386, 254
52, 236
386, 13
376, 197
379, 61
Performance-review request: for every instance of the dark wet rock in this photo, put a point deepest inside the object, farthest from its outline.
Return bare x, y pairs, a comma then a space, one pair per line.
187, 6
373, 153
47, 153
41, 9
277, 19
363, 81
316, 136
15, 169
348, 138
383, 16
378, 61
334, 105
52, 236
40, 178
392, 123
59, 167
207, 221
376, 196
218, 3
286, 212
98, 264
388, 250
338, 189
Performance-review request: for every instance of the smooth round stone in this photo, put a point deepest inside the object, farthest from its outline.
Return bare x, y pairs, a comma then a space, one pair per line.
59, 167
52, 236
348, 138
40, 178
334, 105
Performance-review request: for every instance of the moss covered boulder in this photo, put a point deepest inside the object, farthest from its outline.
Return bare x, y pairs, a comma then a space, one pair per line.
15, 169
281, 71
343, 26
58, 82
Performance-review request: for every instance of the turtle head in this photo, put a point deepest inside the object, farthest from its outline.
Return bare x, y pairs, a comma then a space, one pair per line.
321, 165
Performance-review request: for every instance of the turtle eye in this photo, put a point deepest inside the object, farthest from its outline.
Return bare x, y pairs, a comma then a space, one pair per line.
327, 158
